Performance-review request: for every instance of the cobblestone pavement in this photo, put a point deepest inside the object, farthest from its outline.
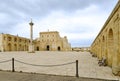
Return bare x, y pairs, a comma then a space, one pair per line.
88, 66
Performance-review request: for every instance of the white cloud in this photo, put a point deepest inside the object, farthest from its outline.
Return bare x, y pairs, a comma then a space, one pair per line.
76, 23
79, 20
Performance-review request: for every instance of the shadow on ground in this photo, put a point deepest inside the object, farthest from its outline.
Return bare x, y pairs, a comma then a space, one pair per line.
20, 76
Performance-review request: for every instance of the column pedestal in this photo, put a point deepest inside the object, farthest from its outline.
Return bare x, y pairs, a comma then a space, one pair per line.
31, 49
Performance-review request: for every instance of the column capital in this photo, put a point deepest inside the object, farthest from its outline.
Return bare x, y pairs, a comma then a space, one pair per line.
31, 23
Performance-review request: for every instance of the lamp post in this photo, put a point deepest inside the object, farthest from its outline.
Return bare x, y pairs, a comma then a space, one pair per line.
31, 46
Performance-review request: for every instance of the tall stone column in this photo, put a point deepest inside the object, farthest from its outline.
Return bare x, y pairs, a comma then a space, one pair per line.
31, 45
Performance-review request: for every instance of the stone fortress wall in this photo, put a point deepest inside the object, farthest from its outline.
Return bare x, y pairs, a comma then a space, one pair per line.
13, 43
107, 43
48, 41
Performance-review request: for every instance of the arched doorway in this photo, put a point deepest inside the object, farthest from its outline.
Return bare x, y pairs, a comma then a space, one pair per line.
110, 46
20, 47
103, 46
25, 48
37, 48
9, 47
48, 48
15, 47
59, 48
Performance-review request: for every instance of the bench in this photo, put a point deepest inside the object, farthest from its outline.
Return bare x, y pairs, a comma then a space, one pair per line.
102, 62
93, 55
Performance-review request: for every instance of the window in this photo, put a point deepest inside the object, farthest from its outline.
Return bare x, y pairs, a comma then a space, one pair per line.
9, 38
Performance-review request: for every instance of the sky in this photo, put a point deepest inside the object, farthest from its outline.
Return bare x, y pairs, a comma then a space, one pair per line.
79, 20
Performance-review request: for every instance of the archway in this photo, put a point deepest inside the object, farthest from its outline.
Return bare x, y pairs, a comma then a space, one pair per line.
15, 47
104, 49
99, 51
48, 47
110, 46
103, 46
25, 48
9, 47
37, 48
20, 47
59, 48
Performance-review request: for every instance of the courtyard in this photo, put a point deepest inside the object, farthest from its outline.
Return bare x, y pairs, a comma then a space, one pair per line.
88, 65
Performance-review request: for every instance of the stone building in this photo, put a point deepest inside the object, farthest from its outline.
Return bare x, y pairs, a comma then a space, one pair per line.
51, 41
13, 43
107, 42
81, 49
48, 41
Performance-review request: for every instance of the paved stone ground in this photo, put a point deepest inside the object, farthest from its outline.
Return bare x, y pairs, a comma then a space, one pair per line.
88, 66
10, 76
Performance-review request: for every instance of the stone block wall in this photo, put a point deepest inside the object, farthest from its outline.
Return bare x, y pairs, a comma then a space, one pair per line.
107, 43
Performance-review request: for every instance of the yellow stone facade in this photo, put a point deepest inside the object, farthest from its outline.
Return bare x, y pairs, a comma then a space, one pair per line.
48, 41
107, 43
13, 43
51, 41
